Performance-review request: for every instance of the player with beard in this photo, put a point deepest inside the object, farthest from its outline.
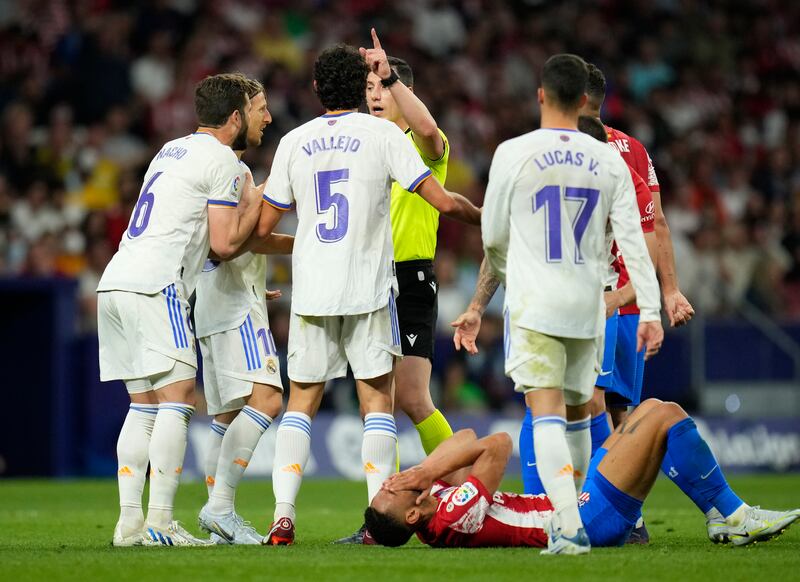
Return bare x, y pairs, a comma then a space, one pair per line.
196, 198
241, 371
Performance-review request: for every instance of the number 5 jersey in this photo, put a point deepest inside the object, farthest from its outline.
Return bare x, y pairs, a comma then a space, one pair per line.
338, 169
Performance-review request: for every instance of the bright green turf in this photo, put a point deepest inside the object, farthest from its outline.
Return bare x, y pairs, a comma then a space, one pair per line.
53, 530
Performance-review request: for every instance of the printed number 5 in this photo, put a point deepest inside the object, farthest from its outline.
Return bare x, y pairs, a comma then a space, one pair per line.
144, 207
327, 200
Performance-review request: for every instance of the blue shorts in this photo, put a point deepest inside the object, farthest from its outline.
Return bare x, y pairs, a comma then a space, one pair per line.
623, 367
608, 514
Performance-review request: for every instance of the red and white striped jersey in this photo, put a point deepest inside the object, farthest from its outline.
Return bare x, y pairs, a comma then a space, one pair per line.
469, 516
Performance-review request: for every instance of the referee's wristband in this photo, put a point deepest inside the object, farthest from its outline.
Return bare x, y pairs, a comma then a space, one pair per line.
391, 79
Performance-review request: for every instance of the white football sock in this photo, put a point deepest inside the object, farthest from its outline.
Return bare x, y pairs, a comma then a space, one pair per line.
132, 458
215, 437
554, 464
237, 449
167, 448
292, 450
579, 441
378, 450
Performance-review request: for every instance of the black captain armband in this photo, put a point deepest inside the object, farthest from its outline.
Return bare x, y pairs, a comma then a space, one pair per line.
391, 79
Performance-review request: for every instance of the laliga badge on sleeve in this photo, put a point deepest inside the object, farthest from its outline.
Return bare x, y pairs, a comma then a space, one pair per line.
463, 494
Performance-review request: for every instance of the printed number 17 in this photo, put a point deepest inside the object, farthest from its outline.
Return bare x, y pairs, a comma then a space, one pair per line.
549, 197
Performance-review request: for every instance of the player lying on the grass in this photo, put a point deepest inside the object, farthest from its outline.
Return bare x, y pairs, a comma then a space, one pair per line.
451, 499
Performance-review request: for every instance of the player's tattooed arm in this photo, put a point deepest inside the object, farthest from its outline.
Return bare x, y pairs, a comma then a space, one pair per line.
485, 289
468, 324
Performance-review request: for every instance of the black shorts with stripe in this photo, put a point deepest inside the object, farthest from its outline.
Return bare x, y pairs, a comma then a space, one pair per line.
417, 307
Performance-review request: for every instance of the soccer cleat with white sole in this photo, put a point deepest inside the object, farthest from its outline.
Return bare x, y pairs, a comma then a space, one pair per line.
557, 543
126, 539
761, 525
218, 540
231, 527
718, 529
174, 535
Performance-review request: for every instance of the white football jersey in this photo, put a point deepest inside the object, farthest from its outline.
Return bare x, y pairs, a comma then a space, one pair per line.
167, 240
228, 290
339, 169
550, 194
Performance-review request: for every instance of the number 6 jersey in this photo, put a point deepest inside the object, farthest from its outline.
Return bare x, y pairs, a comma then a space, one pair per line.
167, 239
551, 193
339, 169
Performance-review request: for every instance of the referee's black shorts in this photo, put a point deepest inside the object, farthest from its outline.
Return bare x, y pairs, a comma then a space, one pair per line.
417, 307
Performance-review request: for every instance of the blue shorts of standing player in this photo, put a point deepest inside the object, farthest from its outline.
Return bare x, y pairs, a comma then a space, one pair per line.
621, 378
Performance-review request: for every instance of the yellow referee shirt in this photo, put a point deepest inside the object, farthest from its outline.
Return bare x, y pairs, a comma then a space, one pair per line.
414, 221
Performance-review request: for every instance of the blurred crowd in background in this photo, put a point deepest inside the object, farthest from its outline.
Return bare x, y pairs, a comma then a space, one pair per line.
90, 89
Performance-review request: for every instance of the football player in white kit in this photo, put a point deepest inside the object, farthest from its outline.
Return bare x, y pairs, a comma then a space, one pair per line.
196, 197
241, 372
551, 193
338, 169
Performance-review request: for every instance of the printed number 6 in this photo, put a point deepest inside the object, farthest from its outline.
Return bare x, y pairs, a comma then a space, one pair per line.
327, 200
144, 207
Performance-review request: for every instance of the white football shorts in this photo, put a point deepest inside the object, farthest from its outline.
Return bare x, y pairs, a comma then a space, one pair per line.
320, 347
235, 359
536, 361
145, 340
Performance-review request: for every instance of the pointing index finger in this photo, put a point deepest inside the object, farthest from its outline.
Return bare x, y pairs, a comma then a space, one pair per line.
375, 42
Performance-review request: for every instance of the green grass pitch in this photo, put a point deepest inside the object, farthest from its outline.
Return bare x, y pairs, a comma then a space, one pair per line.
54, 530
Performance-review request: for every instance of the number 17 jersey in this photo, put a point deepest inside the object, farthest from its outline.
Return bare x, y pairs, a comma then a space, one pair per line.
550, 195
339, 169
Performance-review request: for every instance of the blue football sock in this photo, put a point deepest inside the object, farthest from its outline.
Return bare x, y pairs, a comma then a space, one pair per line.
668, 468
600, 431
530, 475
693, 463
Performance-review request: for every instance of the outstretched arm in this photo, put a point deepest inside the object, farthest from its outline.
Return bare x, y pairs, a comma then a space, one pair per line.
449, 203
468, 324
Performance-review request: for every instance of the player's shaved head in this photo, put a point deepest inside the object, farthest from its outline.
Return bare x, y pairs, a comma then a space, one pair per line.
340, 77
592, 126
564, 80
